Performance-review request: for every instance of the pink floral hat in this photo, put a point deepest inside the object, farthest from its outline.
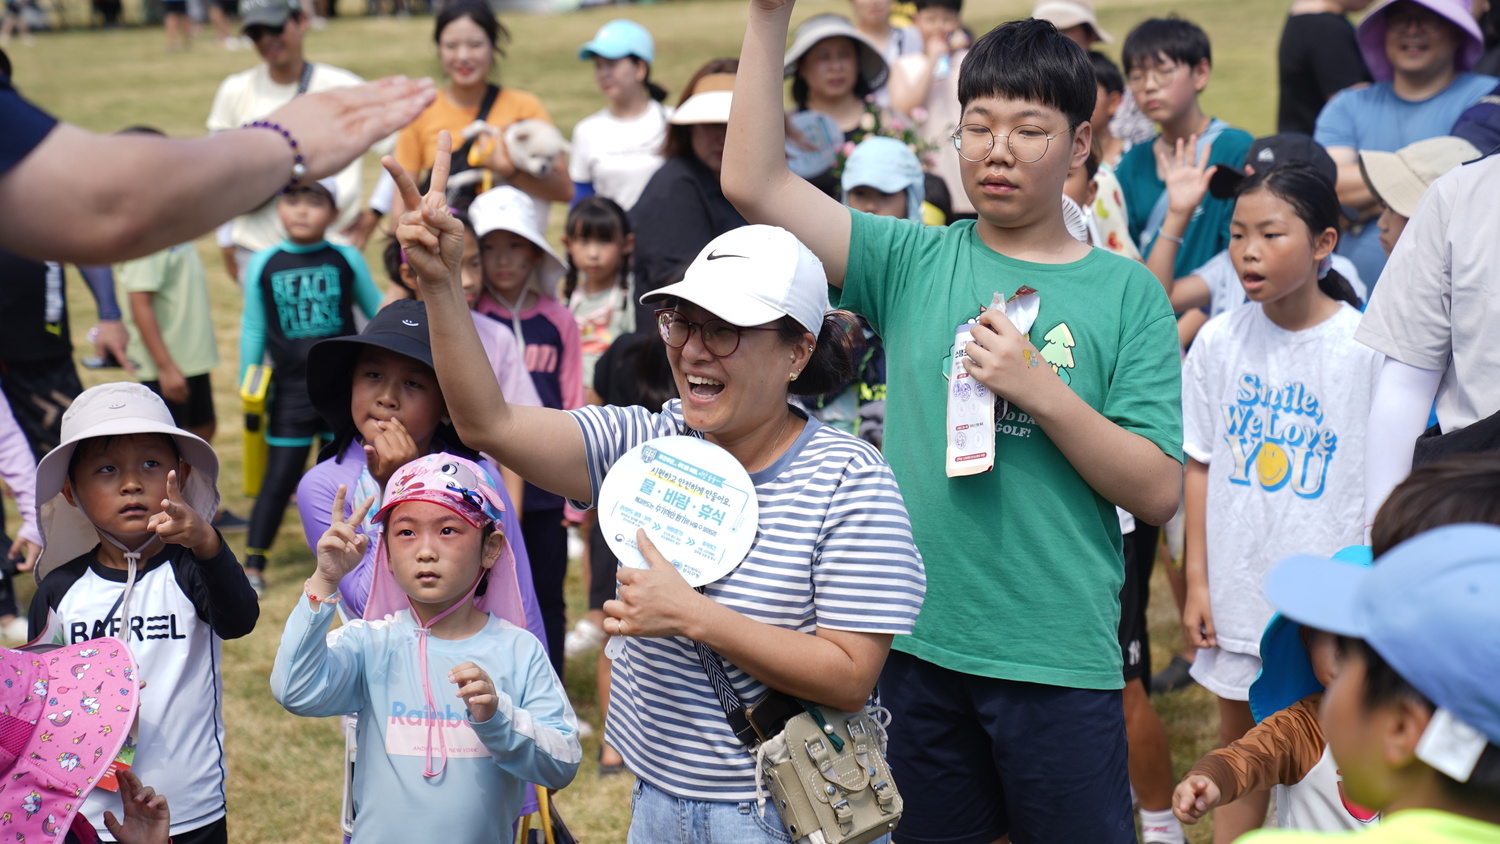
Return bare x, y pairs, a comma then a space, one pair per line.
462, 486
64, 716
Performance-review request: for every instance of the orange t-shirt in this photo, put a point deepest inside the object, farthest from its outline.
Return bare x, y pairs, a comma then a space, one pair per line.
417, 143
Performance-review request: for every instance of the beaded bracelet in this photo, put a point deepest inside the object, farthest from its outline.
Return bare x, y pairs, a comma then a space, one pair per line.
299, 170
334, 598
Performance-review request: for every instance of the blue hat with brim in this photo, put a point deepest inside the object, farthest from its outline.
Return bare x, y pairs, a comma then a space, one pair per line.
1286, 673
889, 166
620, 38
1428, 608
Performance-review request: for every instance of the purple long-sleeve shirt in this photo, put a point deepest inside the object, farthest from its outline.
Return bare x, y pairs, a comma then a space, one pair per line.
315, 495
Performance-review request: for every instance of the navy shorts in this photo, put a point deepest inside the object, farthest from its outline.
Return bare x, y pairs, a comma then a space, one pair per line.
976, 758
199, 408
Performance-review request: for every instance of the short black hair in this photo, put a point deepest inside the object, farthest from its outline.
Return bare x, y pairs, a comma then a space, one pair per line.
1030, 60
955, 5
5, 67
1462, 489
1107, 73
1170, 37
94, 445
1384, 686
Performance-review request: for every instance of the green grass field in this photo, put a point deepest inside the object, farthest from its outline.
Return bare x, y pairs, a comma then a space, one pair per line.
284, 771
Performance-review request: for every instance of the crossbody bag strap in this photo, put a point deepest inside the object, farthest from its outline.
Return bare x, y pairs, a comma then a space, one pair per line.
729, 700
491, 93
306, 80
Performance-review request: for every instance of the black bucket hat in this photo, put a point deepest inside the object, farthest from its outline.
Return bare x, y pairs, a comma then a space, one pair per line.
400, 327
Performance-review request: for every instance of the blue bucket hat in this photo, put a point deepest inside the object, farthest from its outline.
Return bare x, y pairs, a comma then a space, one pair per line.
620, 38
1286, 674
1428, 607
886, 165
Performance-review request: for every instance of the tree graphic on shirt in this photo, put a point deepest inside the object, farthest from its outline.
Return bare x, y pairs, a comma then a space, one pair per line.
1059, 351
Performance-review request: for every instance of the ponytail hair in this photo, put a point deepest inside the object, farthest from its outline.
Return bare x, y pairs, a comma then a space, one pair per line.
835, 357
656, 91
1313, 199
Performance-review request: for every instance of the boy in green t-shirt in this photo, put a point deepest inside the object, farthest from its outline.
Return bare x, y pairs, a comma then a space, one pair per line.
1167, 64
1006, 697
172, 333
1413, 714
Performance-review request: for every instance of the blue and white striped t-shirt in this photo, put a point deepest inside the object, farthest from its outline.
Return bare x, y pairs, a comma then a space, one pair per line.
834, 549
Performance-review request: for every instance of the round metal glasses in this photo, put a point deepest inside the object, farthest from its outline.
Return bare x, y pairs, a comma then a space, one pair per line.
1027, 143
720, 338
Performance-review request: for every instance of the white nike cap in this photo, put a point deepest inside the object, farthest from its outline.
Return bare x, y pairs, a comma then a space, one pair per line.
754, 275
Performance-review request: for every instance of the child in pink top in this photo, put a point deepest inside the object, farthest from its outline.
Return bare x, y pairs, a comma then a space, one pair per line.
521, 273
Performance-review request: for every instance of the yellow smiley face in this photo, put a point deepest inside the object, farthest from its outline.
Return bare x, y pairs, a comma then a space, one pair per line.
1272, 466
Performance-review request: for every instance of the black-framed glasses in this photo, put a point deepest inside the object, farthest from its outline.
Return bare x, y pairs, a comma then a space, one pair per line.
720, 338
1027, 143
255, 32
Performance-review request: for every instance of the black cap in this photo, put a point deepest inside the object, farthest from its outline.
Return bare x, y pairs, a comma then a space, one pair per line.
1270, 151
400, 327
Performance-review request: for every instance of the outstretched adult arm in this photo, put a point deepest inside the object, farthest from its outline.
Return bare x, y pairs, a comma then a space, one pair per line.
755, 176
127, 196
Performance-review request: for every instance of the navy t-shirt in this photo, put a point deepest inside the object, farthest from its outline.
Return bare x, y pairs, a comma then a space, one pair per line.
22, 126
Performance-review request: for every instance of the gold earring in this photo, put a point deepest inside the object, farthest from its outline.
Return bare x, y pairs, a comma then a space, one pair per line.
792, 377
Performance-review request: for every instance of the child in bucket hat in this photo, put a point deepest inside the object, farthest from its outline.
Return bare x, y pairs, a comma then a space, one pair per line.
377, 430
454, 625
125, 504
1413, 715
1287, 695
65, 715
1286, 748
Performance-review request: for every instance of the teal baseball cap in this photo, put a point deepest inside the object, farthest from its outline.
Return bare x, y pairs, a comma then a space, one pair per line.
620, 38
1286, 674
1429, 608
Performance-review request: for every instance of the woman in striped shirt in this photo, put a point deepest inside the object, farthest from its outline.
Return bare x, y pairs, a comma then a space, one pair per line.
833, 573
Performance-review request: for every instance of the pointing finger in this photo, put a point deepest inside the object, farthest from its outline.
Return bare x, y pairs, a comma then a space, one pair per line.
438, 192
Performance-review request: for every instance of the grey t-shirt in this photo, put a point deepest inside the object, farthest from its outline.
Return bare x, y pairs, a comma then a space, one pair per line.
1434, 306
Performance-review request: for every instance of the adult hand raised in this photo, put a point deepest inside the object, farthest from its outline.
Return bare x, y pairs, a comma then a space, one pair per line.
332, 128
429, 233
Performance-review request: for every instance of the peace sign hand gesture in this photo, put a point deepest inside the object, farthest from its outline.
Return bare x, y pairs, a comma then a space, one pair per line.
340, 548
179, 524
431, 236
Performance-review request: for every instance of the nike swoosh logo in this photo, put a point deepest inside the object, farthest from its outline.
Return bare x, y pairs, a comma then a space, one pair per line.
714, 256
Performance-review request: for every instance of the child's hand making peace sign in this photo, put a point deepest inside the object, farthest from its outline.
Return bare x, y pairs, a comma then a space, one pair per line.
179, 524
340, 548
429, 233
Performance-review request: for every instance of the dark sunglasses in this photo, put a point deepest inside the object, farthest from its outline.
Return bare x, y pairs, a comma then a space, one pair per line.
259, 31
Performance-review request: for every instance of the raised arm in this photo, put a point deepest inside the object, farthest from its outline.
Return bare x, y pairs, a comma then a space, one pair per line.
127, 196
542, 445
755, 176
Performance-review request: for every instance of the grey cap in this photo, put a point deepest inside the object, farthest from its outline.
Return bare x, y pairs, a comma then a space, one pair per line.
267, 12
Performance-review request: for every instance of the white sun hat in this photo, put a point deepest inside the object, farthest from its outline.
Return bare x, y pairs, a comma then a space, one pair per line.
112, 410
508, 208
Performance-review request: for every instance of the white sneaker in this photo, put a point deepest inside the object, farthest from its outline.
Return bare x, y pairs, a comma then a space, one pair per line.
585, 729
585, 637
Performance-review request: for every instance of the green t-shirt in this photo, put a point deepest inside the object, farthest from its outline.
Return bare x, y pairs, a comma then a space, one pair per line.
181, 304
1208, 231
1412, 826
1024, 565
